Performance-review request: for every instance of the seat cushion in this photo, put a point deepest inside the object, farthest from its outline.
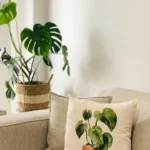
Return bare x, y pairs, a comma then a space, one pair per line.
141, 131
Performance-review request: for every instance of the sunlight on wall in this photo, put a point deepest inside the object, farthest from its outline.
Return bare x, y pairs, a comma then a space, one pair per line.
109, 45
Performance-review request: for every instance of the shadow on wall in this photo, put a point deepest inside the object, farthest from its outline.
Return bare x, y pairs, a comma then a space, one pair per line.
93, 70
98, 62
69, 91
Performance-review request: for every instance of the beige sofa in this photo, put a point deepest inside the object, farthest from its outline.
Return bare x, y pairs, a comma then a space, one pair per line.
28, 131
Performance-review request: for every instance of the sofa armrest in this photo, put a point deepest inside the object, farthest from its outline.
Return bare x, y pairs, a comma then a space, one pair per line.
24, 131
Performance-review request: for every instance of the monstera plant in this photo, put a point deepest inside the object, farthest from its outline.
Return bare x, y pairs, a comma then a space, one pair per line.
96, 138
42, 41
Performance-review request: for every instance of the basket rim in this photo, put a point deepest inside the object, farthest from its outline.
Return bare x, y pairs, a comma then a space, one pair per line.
29, 85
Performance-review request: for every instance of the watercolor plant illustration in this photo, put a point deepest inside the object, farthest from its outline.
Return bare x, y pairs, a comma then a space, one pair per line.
96, 138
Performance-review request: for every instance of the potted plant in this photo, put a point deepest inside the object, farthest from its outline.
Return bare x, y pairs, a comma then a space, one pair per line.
42, 40
96, 138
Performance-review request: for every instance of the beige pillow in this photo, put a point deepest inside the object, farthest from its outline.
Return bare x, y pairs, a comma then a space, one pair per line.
58, 115
92, 126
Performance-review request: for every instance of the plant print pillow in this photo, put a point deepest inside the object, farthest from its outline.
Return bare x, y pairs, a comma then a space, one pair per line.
99, 126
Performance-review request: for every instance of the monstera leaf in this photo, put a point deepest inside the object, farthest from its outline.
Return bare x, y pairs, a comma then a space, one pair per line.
87, 114
37, 41
55, 36
108, 140
7, 12
95, 134
109, 118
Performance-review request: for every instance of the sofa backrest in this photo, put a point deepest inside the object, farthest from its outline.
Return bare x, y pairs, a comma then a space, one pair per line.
141, 131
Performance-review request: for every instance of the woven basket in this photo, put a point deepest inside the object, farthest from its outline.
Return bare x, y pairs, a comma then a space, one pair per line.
33, 97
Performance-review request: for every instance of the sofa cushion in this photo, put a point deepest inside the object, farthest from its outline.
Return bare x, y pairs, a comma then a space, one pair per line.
57, 125
141, 132
102, 126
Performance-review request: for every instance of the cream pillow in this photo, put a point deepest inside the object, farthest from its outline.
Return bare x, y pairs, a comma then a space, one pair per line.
94, 126
58, 115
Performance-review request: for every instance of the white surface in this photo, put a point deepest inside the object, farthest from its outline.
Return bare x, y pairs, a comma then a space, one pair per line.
4, 74
14, 107
109, 45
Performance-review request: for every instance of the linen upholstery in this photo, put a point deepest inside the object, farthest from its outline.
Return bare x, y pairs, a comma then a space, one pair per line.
24, 131
140, 138
141, 131
58, 115
121, 134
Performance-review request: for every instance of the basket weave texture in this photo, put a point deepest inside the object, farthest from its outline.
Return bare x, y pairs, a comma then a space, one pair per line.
33, 97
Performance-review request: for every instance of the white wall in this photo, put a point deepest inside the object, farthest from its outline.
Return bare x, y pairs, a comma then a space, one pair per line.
4, 74
109, 45
40, 16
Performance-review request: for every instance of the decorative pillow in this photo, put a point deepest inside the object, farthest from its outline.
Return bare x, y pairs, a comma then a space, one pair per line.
58, 115
95, 126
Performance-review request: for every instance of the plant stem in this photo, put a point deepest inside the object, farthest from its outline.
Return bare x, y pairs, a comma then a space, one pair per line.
19, 67
19, 53
35, 70
18, 36
12, 39
89, 123
22, 70
87, 138
32, 63
30, 59
90, 128
32, 69
96, 122
19, 49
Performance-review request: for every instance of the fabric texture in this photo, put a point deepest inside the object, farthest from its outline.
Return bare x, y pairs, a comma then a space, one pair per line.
114, 124
141, 132
57, 125
24, 117
25, 131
